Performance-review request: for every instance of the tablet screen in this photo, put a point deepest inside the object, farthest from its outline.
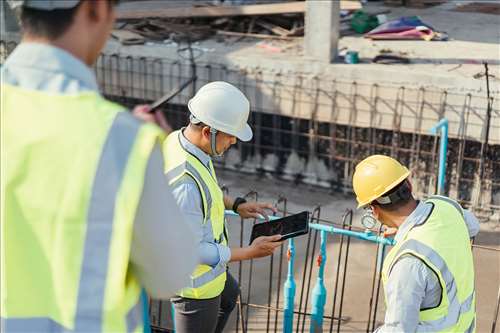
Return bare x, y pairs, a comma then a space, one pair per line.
289, 226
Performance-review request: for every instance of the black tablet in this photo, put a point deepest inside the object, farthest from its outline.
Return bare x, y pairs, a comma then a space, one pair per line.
289, 226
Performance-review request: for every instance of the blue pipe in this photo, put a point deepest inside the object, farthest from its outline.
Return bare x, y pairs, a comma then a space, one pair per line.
367, 235
289, 290
145, 309
172, 311
319, 292
443, 150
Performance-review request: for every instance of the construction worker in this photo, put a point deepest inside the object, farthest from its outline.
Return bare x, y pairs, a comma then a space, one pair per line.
86, 213
428, 275
219, 113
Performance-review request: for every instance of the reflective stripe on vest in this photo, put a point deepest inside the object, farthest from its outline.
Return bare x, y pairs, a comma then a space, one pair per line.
108, 178
443, 246
455, 309
206, 281
179, 170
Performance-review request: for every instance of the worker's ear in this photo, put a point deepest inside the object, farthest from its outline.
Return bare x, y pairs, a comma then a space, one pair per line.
205, 132
97, 10
409, 186
375, 211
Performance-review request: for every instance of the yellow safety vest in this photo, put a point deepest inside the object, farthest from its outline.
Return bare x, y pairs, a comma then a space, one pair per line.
72, 175
206, 281
442, 243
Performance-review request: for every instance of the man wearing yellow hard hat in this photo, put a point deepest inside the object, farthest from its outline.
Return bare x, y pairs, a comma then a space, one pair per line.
428, 275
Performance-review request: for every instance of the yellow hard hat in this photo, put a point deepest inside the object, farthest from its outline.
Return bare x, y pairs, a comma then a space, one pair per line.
376, 175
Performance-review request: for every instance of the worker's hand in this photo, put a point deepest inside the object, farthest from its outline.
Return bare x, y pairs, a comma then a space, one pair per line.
255, 210
143, 112
264, 246
389, 232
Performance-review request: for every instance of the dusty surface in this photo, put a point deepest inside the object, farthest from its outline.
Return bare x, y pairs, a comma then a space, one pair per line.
361, 258
452, 64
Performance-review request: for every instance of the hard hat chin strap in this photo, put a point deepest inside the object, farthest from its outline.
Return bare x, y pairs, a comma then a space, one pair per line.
213, 142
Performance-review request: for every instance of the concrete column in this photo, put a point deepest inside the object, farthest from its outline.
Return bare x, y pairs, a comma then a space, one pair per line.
322, 26
8, 19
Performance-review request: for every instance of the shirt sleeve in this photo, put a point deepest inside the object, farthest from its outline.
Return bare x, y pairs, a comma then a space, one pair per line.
472, 223
160, 235
405, 292
188, 197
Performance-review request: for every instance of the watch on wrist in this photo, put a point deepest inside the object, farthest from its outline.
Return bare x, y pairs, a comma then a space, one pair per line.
238, 201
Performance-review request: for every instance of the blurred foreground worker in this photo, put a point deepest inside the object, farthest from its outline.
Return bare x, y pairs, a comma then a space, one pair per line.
428, 275
219, 114
86, 213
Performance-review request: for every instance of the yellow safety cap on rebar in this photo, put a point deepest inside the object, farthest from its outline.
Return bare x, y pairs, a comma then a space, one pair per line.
376, 175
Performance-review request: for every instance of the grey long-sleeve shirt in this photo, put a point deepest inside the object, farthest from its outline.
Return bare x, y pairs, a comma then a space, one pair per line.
411, 284
160, 233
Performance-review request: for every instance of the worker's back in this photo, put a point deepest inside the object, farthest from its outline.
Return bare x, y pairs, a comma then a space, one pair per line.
442, 242
72, 174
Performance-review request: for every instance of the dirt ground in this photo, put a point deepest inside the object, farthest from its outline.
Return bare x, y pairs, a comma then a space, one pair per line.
360, 265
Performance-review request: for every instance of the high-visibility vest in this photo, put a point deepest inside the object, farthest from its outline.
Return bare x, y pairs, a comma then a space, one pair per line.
72, 176
206, 281
442, 243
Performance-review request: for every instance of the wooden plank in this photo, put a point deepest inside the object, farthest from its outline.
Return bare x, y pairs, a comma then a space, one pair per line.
133, 12
277, 30
244, 34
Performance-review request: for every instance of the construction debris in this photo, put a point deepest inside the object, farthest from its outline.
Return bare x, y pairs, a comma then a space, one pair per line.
177, 21
127, 37
480, 7
131, 10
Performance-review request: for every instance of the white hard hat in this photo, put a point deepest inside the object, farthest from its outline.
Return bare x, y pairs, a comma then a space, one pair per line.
43, 4
223, 107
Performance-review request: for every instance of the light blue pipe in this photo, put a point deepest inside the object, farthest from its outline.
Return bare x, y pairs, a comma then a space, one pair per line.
172, 311
289, 290
367, 235
443, 149
319, 292
145, 309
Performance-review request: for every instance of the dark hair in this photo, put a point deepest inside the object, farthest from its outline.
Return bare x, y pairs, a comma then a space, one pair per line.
403, 194
50, 23
47, 23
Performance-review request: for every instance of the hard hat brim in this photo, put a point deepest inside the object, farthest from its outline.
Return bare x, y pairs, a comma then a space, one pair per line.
387, 189
245, 134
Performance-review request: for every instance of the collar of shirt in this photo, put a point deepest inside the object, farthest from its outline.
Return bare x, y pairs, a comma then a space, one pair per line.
418, 216
45, 67
191, 148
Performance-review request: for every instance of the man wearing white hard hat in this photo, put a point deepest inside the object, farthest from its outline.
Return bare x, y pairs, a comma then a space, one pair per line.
219, 114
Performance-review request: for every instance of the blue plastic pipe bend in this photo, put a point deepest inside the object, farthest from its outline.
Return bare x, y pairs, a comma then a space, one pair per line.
443, 150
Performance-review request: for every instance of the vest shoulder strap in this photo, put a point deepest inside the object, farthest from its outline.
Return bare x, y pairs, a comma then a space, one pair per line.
449, 201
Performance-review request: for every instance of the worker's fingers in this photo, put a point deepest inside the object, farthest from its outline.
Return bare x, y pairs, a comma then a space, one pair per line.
388, 232
263, 213
273, 238
161, 121
255, 215
276, 244
269, 206
142, 112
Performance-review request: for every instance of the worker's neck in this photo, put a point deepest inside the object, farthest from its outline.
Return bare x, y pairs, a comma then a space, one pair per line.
67, 42
399, 217
196, 138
